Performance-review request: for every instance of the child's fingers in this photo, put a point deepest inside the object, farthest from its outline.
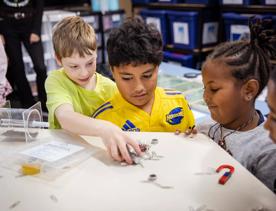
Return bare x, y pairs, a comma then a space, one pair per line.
125, 153
135, 146
188, 132
194, 131
115, 153
177, 132
191, 131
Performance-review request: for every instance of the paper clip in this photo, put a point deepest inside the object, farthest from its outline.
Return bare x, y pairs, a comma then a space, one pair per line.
225, 177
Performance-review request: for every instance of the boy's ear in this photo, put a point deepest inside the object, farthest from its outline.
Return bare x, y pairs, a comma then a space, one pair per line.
250, 89
58, 60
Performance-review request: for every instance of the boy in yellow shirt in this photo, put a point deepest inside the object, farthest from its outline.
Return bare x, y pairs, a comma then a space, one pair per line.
135, 53
76, 90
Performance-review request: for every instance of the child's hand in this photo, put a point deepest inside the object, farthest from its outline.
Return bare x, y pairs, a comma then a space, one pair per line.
116, 140
190, 131
34, 38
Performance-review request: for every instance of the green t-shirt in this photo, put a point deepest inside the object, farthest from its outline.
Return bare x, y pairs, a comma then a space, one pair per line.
61, 90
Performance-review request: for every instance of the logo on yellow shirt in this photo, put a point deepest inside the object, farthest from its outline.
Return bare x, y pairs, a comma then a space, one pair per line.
175, 116
129, 126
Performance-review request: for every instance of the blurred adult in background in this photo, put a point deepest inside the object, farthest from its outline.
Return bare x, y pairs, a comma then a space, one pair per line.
20, 22
5, 87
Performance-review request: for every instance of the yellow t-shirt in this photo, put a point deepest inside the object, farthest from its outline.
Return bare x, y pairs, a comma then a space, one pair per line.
61, 90
170, 112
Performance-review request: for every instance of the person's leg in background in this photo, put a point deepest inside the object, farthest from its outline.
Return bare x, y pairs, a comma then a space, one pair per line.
36, 53
16, 71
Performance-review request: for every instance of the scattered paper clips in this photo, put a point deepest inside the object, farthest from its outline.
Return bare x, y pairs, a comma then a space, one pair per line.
153, 180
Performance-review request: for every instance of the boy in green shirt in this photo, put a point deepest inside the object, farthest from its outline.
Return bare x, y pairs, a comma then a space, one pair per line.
76, 90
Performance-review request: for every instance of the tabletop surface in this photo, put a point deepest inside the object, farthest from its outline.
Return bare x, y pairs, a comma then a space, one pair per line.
98, 183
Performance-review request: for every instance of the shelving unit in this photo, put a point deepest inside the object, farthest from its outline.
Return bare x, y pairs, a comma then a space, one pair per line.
106, 21
110, 19
200, 8
252, 9
196, 50
248, 9
101, 22
245, 9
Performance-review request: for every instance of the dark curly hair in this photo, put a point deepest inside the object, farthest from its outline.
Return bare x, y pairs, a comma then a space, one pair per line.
136, 43
250, 59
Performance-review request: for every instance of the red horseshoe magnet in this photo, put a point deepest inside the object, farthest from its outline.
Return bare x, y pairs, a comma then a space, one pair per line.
225, 177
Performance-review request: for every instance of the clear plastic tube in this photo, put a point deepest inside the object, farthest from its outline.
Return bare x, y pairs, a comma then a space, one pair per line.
20, 123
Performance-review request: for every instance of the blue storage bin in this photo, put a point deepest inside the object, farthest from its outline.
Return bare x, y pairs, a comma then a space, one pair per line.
142, 1
171, 1
113, 19
236, 25
268, 2
93, 20
158, 18
238, 2
183, 60
274, 22
209, 2
184, 29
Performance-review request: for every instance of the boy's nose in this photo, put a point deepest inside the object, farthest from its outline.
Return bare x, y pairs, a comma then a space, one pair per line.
84, 72
139, 87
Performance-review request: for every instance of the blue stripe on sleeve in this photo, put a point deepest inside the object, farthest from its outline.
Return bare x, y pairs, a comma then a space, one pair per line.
100, 111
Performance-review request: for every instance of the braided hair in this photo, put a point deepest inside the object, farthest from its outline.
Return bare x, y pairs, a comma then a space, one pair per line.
250, 59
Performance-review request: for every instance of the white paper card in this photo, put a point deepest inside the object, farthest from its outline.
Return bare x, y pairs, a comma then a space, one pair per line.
270, 2
236, 31
89, 19
232, 1
210, 32
52, 151
181, 33
154, 21
115, 17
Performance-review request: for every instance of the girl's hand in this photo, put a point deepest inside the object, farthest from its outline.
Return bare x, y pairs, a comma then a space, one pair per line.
34, 38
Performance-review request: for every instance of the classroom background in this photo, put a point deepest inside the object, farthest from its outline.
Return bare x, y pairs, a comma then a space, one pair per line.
190, 30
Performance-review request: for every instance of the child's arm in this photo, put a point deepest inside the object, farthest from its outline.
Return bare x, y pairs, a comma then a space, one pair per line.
113, 137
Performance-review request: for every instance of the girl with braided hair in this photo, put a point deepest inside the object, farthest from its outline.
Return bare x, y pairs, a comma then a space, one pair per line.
234, 74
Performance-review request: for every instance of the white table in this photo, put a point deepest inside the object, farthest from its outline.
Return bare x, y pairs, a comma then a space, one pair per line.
102, 184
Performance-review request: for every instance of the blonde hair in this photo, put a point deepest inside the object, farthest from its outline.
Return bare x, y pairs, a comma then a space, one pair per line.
73, 34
